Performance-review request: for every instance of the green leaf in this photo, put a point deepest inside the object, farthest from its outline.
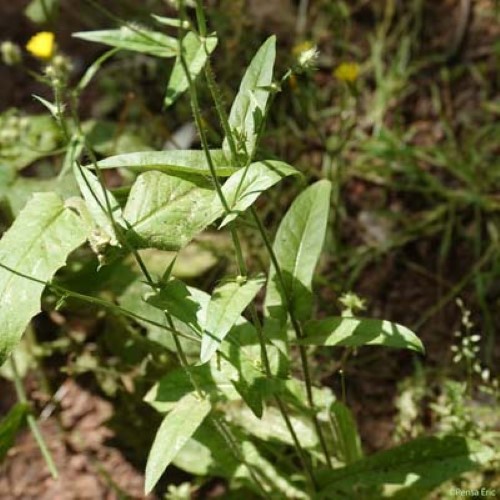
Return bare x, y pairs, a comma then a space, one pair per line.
226, 305
95, 198
277, 483
271, 426
50, 106
356, 332
195, 52
297, 245
245, 186
137, 39
213, 378
36, 245
294, 392
184, 161
9, 427
181, 302
207, 453
188, 306
21, 190
41, 11
175, 430
347, 440
249, 106
418, 467
166, 212
133, 300
92, 70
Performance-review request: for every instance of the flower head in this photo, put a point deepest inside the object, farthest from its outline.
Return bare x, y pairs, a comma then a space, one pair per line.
306, 53
11, 53
42, 45
351, 303
347, 72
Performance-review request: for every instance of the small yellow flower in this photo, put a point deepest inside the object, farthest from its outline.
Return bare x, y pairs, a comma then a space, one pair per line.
347, 72
42, 45
302, 47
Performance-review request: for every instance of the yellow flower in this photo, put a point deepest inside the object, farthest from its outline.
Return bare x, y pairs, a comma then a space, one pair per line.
347, 72
42, 45
302, 47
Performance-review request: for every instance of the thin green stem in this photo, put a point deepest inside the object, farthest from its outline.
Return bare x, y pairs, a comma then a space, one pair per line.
219, 106
201, 129
236, 242
64, 292
267, 368
298, 333
225, 432
33, 425
200, 18
241, 263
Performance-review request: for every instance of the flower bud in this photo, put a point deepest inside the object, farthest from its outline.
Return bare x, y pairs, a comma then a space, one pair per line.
11, 53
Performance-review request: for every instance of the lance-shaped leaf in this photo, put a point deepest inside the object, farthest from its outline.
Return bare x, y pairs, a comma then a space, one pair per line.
36, 245
249, 106
166, 212
226, 305
172, 161
93, 69
418, 466
195, 53
135, 39
245, 186
347, 440
297, 245
175, 430
356, 332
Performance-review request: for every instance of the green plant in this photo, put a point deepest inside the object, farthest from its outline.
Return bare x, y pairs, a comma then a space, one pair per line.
233, 404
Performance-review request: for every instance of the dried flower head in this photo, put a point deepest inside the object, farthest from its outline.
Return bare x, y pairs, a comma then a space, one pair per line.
306, 54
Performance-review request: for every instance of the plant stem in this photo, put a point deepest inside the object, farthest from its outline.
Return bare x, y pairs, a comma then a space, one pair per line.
64, 292
267, 367
219, 106
212, 84
236, 242
298, 333
201, 130
33, 425
227, 129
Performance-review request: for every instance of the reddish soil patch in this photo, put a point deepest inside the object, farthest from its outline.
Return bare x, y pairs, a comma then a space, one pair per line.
77, 437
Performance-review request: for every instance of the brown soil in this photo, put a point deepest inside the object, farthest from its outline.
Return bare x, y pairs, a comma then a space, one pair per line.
77, 436
78, 432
